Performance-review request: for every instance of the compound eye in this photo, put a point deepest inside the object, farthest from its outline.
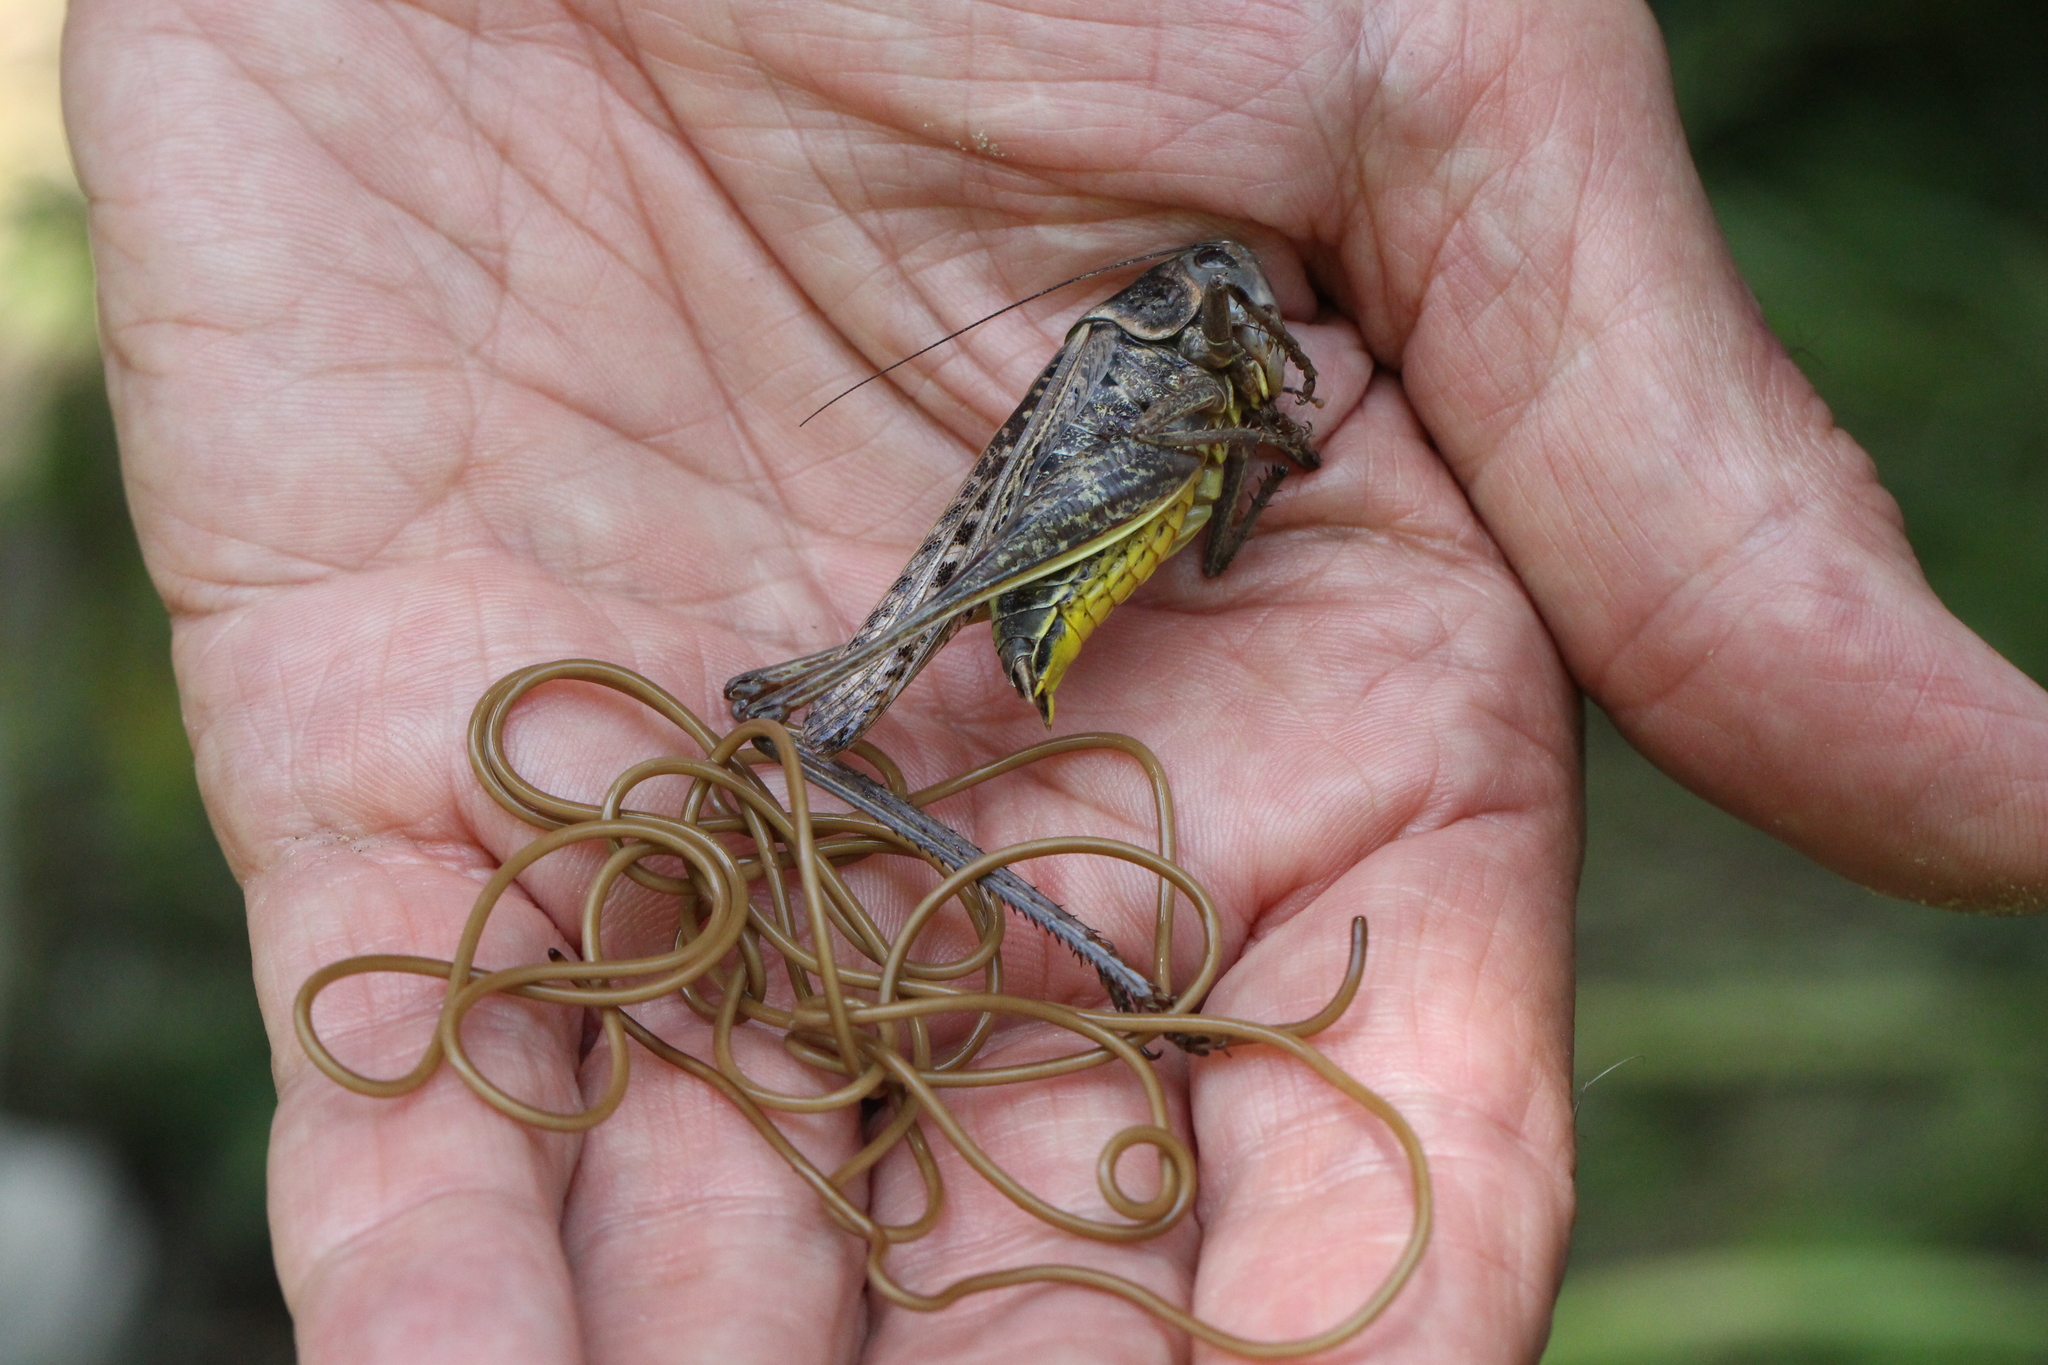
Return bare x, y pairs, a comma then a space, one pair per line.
1213, 258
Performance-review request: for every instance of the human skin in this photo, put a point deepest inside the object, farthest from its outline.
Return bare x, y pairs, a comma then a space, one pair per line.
443, 341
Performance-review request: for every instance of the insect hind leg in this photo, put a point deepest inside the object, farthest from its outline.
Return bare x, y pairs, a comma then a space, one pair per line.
752, 693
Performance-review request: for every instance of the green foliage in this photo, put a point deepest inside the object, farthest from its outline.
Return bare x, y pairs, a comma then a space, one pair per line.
1898, 1307
1810, 1076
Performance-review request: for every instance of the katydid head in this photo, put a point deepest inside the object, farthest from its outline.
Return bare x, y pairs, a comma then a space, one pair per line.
1233, 332
1213, 303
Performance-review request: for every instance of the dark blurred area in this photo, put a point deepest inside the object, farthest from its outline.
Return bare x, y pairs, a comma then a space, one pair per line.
130, 1016
1824, 1139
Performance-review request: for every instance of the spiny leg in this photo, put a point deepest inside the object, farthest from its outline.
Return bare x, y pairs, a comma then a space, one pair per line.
1128, 988
1214, 345
1290, 438
1290, 441
1228, 532
1275, 327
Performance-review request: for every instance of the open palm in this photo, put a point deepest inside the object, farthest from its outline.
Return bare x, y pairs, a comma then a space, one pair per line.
443, 341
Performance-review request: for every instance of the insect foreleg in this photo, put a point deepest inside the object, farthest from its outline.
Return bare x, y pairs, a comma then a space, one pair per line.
1271, 323
1289, 437
1292, 444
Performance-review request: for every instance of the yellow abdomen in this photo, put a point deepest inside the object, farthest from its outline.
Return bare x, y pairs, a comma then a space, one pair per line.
1041, 626
1120, 571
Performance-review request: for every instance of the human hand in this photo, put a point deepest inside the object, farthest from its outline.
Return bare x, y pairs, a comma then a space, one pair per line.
442, 344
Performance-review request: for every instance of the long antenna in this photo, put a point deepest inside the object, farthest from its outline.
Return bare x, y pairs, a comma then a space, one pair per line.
1103, 270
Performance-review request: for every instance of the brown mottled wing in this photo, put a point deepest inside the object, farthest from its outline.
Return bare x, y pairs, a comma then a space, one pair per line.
839, 715
1075, 508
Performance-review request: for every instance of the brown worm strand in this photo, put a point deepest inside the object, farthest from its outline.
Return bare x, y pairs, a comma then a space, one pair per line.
860, 1006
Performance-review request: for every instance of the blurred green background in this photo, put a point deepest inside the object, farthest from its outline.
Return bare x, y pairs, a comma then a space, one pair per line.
1827, 1138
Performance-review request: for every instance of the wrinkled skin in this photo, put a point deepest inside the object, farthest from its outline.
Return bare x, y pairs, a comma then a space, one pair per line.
443, 342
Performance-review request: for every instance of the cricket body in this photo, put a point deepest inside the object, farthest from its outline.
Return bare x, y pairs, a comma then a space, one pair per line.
1134, 440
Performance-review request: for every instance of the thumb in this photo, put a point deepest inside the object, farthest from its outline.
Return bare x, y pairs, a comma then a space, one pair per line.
1715, 557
